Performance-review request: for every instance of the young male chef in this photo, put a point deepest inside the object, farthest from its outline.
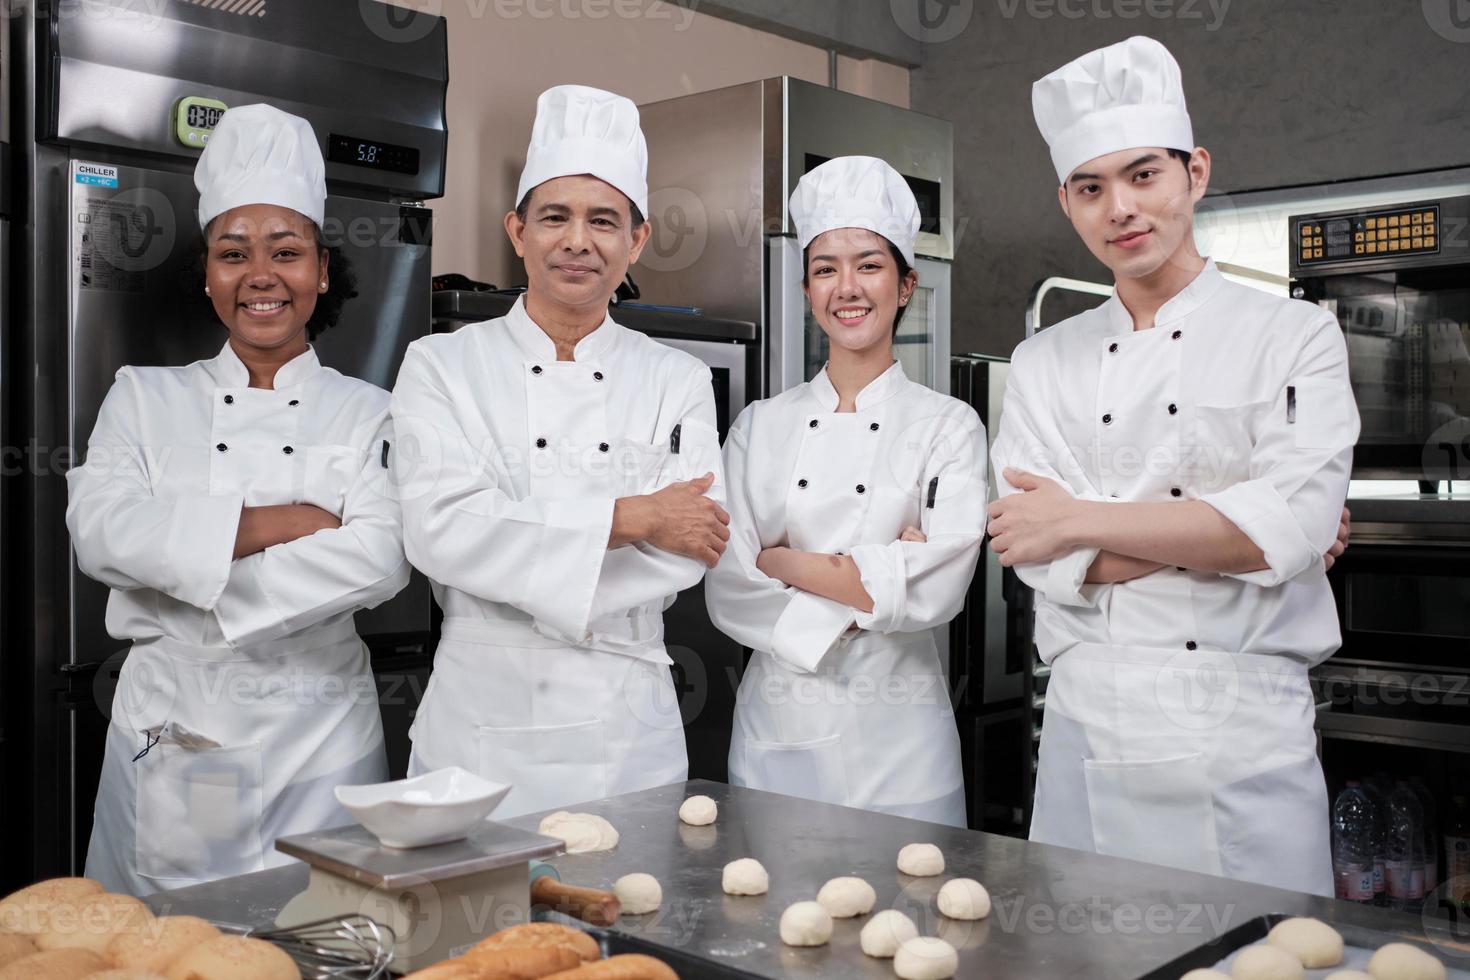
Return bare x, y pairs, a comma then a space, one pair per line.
1172, 467
560, 481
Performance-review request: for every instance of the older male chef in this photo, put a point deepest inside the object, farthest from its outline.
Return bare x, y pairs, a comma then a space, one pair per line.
560, 484
1172, 466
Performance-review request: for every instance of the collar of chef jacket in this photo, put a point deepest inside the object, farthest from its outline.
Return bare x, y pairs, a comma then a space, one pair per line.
874, 392
539, 346
229, 371
1179, 306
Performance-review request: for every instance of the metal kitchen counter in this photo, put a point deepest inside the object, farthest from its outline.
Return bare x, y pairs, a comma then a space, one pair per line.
1057, 912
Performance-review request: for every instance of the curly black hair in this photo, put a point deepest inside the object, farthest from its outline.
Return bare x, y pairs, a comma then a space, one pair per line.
341, 287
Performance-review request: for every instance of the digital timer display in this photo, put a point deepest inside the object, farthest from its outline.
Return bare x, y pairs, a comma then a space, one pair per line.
194, 119
374, 154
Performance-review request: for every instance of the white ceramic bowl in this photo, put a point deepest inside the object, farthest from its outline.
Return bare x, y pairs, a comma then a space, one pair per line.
436, 807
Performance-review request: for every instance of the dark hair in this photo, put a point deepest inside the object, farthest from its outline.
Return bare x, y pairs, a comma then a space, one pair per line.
524, 207
903, 273
1183, 156
341, 285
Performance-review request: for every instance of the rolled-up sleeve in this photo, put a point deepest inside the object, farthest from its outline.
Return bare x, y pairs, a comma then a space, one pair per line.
1027, 440
1300, 464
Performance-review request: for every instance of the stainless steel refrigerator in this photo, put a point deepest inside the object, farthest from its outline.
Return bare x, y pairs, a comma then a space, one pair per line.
110, 103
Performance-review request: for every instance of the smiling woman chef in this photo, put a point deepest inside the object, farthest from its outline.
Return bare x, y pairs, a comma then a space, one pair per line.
858, 507
235, 507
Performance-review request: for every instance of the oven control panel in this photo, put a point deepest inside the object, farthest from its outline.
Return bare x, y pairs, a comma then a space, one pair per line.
1406, 230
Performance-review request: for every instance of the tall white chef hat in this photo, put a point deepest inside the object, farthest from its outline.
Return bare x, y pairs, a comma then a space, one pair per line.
581, 130
856, 192
261, 155
1115, 98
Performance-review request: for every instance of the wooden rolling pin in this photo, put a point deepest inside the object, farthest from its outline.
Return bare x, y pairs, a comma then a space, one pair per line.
595, 907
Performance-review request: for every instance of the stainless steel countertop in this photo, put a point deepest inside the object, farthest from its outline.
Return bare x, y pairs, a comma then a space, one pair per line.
1057, 912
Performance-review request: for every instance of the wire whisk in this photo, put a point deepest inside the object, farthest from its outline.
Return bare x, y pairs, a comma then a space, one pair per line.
350, 947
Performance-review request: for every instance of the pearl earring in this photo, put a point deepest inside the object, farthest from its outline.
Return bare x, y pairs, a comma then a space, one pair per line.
324, 285
207, 292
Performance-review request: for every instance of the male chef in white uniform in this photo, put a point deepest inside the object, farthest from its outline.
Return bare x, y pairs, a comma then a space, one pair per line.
1172, 467
560, 480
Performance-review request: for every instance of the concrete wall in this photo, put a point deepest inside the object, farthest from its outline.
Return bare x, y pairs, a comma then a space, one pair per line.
503, 53
1280, 91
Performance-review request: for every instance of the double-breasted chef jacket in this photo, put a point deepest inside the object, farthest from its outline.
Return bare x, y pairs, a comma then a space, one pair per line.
246, 696
1179, 720
840, 705
551, 672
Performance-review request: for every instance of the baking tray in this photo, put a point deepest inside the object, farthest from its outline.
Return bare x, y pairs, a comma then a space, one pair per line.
1254, 931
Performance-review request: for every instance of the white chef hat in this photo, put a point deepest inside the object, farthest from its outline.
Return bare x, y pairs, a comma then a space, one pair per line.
856, 192
1115, 98
581, 130
261, 155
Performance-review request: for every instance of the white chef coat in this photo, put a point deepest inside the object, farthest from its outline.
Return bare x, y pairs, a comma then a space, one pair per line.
1179, 720
551, 672
840, 705
246, 683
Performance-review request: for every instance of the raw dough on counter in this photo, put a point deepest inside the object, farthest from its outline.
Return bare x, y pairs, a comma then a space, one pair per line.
583, 833
921, 860
805, 924
1204, 974
1400, 961
885, 932
964, 898
745, 877
1312, 941
926, 958
697, 811
844, 898
1266, 963
1348, 975
638, 893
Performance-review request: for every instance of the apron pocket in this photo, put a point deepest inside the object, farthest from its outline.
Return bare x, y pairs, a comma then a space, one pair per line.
811, 770
199, 812
548, 766
1159, 811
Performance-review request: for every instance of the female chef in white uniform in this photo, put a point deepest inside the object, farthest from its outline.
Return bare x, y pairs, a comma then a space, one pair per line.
236, 507
857, 508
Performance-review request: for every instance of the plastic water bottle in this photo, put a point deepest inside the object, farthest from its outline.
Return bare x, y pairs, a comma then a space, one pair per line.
1379, 799
1352, 845
1405, 849
1431, 833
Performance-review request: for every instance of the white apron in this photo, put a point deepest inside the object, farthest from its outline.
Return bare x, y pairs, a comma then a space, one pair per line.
246, 696
1179, 722
551, 673
839, 705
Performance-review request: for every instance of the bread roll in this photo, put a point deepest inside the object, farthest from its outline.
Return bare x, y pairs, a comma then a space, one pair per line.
629, 966
126, 975
55, 964
14, 945
535, 935
27, 910
456, 969
233, 958
164, 941
93, 922
524, 964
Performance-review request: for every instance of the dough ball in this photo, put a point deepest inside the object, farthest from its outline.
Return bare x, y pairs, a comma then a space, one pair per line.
638, 893
26, 910
55, 964
234, 958
1203, 974
964, 898
885, 932
921, 860
94, 922
1312, 941
926, 958
1400, 961
166, 940
745, 877
1348, 975
698, 811
535, 935
844, 898
14, 945
1266, 963
805, 924
582, 833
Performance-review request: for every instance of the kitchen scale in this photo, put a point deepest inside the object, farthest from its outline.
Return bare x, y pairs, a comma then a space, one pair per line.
438, 900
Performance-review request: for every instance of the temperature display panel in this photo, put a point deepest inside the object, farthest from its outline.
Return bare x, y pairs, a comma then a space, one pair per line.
374, 154
1368, 237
